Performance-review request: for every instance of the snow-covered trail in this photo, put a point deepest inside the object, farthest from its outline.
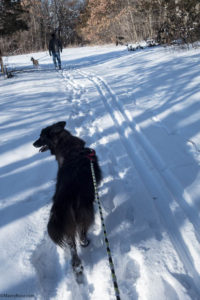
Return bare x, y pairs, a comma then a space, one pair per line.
129, 108
157, 178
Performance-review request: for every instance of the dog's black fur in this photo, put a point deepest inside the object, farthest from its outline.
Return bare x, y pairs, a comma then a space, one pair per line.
72, 211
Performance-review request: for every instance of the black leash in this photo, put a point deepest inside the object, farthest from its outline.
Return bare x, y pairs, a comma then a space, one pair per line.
112, 268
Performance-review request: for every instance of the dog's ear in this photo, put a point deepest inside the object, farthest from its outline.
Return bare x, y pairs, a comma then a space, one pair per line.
58, 127
62, 123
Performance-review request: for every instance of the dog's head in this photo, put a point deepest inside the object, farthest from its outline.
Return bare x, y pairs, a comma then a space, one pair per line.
32, 59
49, 137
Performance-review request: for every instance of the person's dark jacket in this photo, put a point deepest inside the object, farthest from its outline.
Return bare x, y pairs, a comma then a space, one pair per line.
55, 46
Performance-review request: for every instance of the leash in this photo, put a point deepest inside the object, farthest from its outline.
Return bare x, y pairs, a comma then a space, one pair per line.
112, 268
43, 57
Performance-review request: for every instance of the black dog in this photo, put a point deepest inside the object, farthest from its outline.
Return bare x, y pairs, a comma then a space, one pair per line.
72, 211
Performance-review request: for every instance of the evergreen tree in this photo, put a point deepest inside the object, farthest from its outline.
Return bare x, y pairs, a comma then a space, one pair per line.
11, 17
181, 22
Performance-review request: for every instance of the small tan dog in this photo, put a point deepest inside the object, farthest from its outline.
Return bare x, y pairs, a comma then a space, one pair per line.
35, 62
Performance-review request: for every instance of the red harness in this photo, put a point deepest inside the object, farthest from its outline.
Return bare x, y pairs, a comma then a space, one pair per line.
91, 155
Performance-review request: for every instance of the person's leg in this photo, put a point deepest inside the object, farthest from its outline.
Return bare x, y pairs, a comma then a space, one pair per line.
54, 59
58, 59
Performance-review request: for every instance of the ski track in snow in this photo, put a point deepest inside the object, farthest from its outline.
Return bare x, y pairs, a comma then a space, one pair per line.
163, 184
130, 164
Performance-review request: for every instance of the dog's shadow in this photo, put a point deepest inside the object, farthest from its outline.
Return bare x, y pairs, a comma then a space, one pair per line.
45, 260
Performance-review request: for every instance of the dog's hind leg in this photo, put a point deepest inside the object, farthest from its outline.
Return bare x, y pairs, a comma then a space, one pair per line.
85, 220
76, 261
84, 241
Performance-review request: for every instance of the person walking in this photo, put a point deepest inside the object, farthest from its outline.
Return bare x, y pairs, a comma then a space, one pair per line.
55, 47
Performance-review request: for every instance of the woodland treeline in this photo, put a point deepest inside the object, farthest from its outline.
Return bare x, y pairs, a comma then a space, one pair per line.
26, 25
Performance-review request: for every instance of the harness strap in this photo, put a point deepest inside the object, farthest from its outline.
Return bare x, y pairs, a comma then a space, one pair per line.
91, 154
112, 268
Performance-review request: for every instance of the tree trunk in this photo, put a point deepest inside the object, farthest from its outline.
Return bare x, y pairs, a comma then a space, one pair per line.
1, 62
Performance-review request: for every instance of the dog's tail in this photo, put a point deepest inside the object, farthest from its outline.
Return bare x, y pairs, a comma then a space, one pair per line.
61, 226
64, 223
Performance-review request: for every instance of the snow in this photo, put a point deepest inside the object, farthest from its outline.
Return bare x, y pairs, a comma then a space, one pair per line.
141, 112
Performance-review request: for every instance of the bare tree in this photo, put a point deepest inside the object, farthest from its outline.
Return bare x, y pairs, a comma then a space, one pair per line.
97, 21
45, 17
164, 20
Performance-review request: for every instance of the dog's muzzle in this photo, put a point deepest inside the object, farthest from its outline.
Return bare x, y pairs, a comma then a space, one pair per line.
38, 144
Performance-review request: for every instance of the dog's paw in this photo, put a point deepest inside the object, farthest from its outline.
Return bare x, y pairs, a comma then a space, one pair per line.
79, 275
78, 269
78, 272
76, 264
